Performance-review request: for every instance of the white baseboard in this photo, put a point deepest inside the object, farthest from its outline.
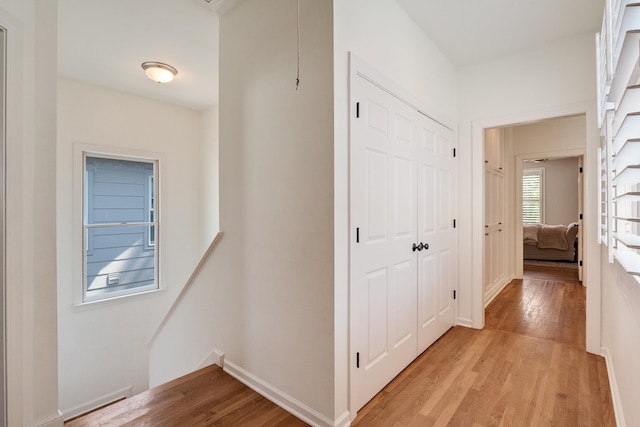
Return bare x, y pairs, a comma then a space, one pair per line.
467, 323
54, 421
288, 403
493, 293
97, 403
216, 357
613, 385
343, 420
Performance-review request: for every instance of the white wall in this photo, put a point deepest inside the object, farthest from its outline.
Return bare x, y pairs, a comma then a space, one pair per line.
558, 77
560, 189
265, 298
547, 136
383, 35
276, 196
561, 175
102, 346
620, 339
30, 251
209, 171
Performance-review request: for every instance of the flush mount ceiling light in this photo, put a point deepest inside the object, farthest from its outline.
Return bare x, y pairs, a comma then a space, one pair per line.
159, 72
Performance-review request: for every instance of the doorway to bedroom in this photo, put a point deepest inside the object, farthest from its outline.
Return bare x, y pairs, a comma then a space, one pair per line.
532, 175
571, 131
551, 206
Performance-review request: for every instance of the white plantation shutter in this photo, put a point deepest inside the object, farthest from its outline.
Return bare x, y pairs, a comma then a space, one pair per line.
619, 120
532, 196
626, 200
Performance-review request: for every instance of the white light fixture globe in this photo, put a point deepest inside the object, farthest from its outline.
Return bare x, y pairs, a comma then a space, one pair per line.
159, 72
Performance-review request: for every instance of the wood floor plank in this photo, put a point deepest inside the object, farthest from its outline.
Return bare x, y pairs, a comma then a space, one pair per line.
528, 367
207, 397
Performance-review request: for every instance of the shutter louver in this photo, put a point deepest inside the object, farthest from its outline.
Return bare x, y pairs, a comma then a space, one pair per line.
532, 196
619, 119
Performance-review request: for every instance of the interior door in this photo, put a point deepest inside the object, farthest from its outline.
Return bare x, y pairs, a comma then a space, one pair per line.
436, 266
580, 220
383, 215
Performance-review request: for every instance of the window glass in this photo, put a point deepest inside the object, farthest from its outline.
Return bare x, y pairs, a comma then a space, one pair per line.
120, 223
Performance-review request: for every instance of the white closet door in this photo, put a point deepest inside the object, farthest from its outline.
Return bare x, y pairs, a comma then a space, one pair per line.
436, 263
383, 208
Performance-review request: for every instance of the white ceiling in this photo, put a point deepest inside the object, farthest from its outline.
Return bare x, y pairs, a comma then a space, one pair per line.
105, 41
469, 31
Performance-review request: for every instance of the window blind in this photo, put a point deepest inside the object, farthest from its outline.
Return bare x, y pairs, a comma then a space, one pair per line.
532, 196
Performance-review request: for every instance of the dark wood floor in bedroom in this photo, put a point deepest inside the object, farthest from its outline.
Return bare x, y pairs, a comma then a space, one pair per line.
528, 367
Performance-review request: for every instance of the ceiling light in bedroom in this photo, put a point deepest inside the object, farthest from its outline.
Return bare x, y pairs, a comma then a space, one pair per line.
159, 72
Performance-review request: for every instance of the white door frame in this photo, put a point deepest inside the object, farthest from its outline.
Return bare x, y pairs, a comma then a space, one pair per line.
591, 254
16, 392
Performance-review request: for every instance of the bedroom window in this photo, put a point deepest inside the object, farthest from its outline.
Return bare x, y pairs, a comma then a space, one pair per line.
533, 196
120, 226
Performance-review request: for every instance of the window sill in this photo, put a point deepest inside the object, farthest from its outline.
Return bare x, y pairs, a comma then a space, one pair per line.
120, 299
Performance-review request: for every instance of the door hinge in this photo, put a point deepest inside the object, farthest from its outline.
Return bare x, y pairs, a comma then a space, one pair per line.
580, 216
358, 235
454, 152
357, 109
454, 294
357, 359
454, 223
580, 169
580, 263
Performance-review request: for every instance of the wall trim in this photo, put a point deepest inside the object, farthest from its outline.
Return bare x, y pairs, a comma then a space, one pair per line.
613, 385
17, 393
282, 399
467, 323
496, 290
53, 421
216, 357
91, 405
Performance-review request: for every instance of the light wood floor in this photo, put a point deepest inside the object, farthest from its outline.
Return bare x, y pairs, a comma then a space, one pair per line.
208, 397
528, 367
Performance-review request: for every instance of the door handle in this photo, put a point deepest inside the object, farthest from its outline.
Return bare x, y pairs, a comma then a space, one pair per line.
419, 247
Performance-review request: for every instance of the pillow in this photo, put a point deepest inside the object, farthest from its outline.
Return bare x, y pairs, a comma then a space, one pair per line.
552, 237
530, 233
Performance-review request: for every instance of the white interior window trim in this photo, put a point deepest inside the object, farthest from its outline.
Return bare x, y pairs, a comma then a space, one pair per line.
141, 217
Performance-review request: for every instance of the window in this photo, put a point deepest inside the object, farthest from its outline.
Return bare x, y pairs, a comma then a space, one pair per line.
533, 196
120, 227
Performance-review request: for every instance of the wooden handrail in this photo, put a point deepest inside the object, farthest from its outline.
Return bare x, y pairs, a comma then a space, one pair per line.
186, 287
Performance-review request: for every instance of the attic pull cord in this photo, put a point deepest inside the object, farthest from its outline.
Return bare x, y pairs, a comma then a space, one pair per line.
298, 32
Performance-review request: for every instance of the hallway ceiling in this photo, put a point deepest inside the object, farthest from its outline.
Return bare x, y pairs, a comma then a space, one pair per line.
469, 31
104, 42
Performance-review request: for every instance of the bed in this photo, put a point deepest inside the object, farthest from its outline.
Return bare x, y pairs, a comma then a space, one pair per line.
550, 242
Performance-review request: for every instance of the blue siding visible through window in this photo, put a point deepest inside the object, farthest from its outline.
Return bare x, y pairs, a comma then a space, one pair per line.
118, 223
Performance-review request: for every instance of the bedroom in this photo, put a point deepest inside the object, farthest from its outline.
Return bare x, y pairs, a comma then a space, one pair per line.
553, 145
